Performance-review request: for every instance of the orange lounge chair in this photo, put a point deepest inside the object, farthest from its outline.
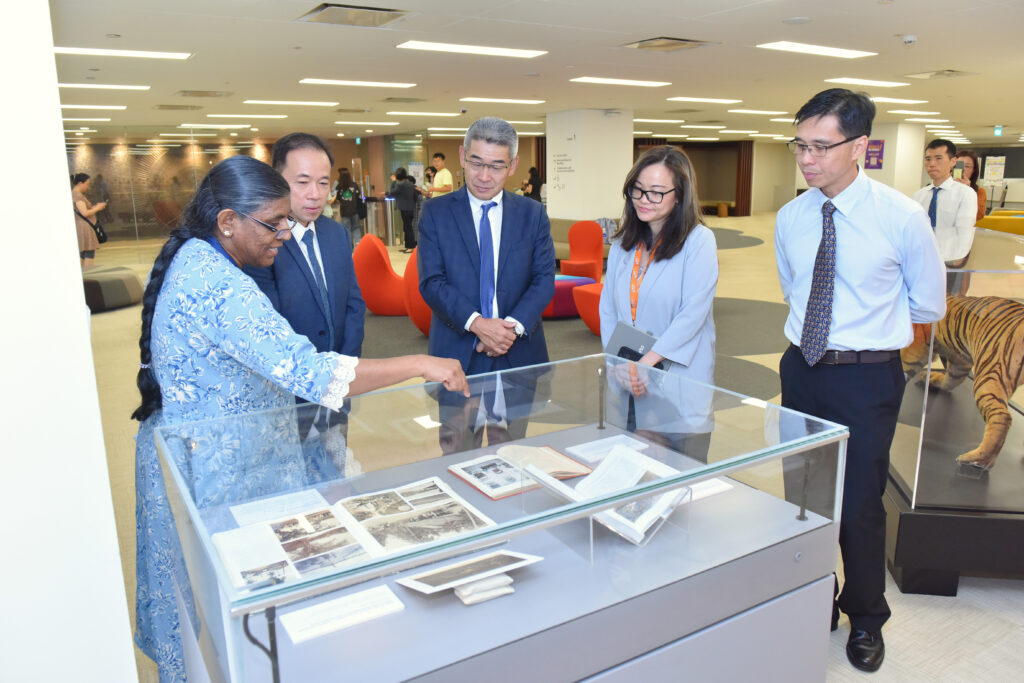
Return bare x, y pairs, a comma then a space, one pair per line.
588, 299
380, 285
415, 306
586, 251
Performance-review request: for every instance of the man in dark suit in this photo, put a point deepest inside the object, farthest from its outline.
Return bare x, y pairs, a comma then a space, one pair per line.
313, 282
487, 271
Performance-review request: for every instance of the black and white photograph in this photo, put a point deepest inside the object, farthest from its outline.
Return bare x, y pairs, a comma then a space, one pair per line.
317, 544
289, 529
376, 504
344, 555
274, 572
468, 571
424, 526
424, 495
494, 473
502, 475
322, 520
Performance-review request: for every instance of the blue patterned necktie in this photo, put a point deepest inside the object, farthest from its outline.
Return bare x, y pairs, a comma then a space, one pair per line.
318, 275
486, 263
933, 206
818, 317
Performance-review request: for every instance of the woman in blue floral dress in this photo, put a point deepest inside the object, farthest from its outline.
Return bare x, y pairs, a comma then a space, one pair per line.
212, 345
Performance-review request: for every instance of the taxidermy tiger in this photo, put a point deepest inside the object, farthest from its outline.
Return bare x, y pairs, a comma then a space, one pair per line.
985, 334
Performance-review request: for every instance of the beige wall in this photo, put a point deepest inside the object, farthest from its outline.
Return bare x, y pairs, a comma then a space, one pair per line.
716, 172
773, 179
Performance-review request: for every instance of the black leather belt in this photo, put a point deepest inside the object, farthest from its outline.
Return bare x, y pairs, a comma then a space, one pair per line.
853, 357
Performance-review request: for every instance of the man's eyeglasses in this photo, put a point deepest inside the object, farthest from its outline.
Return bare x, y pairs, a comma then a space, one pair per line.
653, 196
479, 166
815, 150
290, 222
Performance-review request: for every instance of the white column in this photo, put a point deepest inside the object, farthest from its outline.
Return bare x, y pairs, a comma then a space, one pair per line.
64, 612
589, 153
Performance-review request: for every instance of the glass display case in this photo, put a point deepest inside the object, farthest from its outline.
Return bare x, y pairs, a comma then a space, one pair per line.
628, 519
956, 480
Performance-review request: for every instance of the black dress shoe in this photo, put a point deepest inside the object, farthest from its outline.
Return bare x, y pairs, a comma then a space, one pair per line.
865, 649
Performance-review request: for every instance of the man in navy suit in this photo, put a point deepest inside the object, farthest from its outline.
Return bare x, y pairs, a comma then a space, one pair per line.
313, 282
487, 271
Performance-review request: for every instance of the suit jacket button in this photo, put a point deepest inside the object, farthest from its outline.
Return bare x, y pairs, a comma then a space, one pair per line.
322, 333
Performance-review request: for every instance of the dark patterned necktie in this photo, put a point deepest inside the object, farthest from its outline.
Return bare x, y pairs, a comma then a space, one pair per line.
933, 206
818, 317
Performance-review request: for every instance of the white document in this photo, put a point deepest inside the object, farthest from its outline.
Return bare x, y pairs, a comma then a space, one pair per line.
591, 452
334, 615
278, 506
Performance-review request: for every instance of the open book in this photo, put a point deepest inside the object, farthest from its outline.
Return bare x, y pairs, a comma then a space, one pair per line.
621, 469
349, 532
502, 475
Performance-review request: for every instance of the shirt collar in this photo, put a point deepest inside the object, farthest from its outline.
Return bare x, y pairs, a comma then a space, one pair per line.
847, 200
300, 230
475, 203
946, 184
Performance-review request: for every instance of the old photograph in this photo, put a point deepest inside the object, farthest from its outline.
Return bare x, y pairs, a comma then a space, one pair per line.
274, 572
468, 571
376, 504
494, 473
322, 520
289, 529
348, 554
423, 526
317, 544
423, 495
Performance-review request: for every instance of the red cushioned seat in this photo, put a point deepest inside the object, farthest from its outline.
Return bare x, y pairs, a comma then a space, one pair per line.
586, 251
562, 304
380, 285
415, 306
588, 299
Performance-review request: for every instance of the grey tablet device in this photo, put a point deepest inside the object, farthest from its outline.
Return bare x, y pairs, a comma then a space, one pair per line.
631, 343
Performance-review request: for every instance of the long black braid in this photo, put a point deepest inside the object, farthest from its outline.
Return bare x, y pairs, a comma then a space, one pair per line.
240, 183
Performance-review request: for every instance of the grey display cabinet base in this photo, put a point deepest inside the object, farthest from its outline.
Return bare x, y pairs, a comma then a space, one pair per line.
927, 550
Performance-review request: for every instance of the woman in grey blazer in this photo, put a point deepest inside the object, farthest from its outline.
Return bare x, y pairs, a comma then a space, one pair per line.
661, 278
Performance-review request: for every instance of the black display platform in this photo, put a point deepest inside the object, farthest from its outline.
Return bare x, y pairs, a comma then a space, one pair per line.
965, 519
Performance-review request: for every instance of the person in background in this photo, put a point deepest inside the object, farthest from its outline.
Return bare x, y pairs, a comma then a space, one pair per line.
951, 208
349, 197
443, 183
858, 264
533, 185
404, 194
972, 170
85, 212
661, 278
212, 346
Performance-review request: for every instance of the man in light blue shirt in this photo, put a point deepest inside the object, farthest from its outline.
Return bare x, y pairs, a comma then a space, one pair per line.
858, 263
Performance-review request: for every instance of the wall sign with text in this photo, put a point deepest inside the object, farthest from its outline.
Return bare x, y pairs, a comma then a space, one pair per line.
873, 155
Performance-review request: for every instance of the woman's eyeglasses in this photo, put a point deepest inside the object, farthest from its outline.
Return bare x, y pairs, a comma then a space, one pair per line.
653, 196
290, 222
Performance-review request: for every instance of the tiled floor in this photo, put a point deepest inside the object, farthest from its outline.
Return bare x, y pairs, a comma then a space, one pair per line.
976, 636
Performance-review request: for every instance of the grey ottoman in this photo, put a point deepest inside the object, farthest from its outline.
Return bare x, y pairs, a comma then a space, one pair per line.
108, 288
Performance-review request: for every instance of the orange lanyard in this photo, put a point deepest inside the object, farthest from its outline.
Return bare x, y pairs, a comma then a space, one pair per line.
637, 277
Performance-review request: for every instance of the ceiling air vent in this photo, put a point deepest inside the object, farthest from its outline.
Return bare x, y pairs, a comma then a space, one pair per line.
203, 93
682, 111
403, 100
351, 110
664, 44
177, 107
941, 73
351, 15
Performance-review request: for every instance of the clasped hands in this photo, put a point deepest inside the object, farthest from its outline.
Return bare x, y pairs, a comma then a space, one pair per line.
496, 335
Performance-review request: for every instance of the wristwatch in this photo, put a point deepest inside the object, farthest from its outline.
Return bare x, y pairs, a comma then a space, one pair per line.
520, 330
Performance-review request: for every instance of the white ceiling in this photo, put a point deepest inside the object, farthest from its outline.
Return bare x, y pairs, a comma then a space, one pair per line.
256, 50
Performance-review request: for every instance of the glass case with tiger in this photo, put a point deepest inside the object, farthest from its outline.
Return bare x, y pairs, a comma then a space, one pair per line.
984, 334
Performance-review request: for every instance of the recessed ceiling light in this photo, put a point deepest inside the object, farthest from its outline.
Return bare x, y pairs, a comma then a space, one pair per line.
528, 132
78, 118
145, 54
782, 120
368, 130
659, 121
768, 112
234, 135
366, 123
498, 100
421, 113
618, 81
763, 135
340, 135
470, 49
218, 126
447, 135
254, 129
928, 120
81, 130
740, 132
704, 139
188, 135
246, 116
642, 132
679, 136
820, 50
293, 103
703, 99
702, 126
896, 100
356, 84
913, 112
528, 123
449, 129
866, 82
94, 106
102, 86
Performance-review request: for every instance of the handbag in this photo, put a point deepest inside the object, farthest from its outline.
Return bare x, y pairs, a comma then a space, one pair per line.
97, 227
